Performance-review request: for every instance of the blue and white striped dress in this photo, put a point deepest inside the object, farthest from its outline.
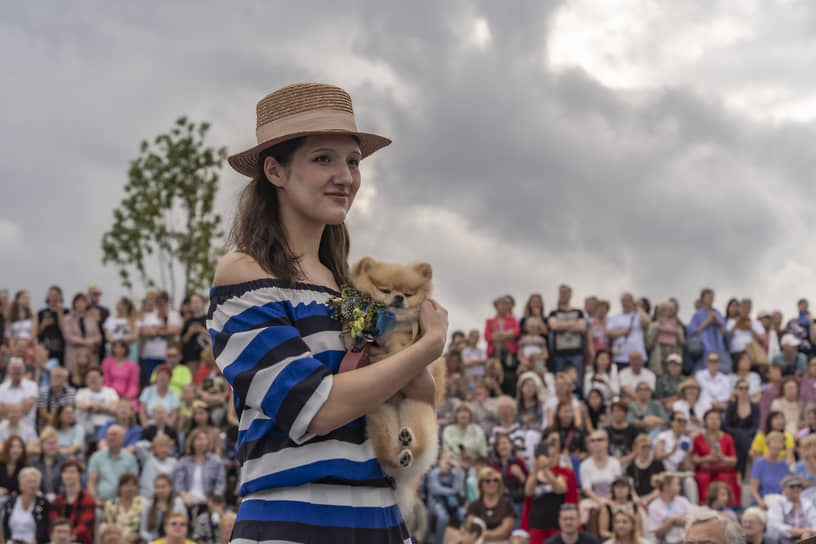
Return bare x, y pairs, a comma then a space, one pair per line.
279, 347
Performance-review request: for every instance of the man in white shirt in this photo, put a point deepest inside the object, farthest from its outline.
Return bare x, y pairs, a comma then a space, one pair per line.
626, 330
790, 518
19, 390
96, 405
156, 328
743, 330
715, 385
634, 374
674, 451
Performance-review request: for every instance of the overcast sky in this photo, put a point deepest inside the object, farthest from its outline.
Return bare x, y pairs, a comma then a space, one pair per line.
650, 146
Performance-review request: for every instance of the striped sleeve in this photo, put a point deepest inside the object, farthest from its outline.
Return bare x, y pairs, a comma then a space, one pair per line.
263, 355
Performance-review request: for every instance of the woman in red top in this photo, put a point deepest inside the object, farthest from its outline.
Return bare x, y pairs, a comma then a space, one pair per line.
548, 487
502, 333
714, 457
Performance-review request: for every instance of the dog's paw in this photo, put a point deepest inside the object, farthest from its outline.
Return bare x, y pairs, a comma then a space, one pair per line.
406, 458
406, 437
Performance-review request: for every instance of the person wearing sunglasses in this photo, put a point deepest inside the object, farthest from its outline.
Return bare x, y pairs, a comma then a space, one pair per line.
175, 530
493, 506
741, 421
597, 473
790, 519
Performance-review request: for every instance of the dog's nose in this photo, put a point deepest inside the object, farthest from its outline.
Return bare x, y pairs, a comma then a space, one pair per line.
398, 301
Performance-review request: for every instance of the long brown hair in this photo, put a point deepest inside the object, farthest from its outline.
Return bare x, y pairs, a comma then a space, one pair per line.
168, 505
257, 229
18, 312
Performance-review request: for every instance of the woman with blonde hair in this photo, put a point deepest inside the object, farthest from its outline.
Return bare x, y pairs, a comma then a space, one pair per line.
25, 517
667, 512
806, 466
494, 377
625, 529
493, 506
767, 471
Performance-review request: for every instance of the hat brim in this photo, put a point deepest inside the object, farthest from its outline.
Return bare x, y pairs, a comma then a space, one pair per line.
246, 162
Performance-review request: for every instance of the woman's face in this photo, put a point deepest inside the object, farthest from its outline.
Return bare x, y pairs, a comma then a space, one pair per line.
620, 491
24, 299
623, 526
536, 305
481, 393
162, 488
722, 498
29, 485
70, 476
128, 489
196, 305
791, 392
119, 351
742, 389
67, 415
528, 389
691, 394
595, 400
503, 447
124, 410
744, 364
163, 450
49, 446
778, 422
200, 416
775, 446
603, 361
80, 305
463, 417
321, 180
120, 308
566, 414
201, 443
673, 487
712, 422
162, 379
16, 450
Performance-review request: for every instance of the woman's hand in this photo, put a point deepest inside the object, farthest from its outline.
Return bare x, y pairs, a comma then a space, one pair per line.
516, 471
433, 322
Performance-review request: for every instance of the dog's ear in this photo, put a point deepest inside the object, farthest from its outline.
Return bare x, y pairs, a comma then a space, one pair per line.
364, 265
424, 270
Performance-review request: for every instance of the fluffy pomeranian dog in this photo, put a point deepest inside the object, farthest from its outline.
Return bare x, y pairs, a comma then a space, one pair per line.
403, 432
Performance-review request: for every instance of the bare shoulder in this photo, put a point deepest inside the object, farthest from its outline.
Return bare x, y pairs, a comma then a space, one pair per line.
237, 267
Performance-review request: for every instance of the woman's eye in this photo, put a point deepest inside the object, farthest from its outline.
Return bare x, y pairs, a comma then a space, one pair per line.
322, 159
386, 291
354, 162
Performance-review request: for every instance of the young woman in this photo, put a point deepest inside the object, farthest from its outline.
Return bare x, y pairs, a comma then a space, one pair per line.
622, 499
597, 339
194, 335
121, 373
741, 421
664, 336
164, 501
531, 410
548, 486
643, 467
719, 497
603, 375
512, 467
532, 347
744, 372
625, 529
597, 473
573, 437
774, 422
22, 321
70, 434
124, 326
292, 250
667, 513
13, 459
596, 416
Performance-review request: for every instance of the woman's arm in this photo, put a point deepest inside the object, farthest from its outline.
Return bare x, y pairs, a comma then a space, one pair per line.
603, 524
357, 392
755, 493
502, 532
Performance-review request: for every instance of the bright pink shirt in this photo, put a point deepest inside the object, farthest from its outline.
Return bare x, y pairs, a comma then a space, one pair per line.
124, 379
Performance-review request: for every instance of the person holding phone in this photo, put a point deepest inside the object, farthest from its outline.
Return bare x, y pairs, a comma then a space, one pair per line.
548, 486
714, 457
674, 451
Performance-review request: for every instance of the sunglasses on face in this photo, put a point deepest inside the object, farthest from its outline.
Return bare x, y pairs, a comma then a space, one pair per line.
742, 388
597, 439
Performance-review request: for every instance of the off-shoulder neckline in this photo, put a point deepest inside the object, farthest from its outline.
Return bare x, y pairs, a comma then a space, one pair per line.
234, 289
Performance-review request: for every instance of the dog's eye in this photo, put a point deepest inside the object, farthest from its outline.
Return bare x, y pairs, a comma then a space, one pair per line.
383, 290
409, 294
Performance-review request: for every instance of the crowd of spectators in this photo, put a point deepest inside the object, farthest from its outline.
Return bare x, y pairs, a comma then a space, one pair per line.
115, 424
577, 424
628, 419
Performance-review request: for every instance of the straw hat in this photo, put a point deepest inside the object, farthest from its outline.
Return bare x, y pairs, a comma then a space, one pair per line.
688, 382
303, 109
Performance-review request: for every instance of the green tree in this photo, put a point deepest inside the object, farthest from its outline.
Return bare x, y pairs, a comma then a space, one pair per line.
166, 221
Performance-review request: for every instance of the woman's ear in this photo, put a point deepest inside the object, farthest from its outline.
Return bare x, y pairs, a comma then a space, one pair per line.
274, 172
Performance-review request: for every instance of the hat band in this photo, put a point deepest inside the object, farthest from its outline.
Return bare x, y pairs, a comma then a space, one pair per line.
307, 121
